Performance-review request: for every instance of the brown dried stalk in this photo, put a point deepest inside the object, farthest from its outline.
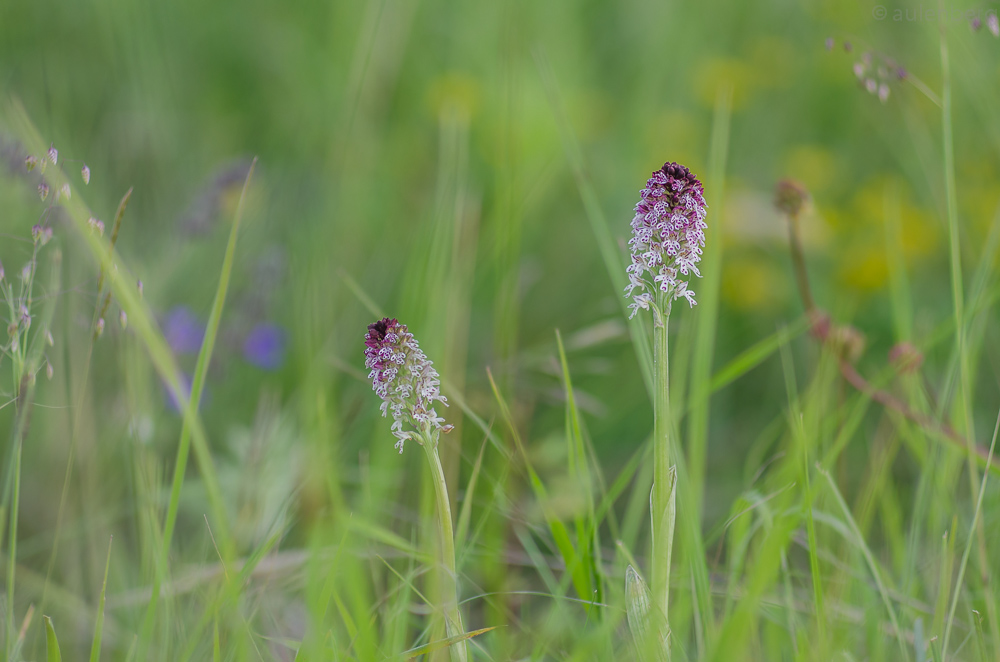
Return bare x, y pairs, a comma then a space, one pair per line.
790, 198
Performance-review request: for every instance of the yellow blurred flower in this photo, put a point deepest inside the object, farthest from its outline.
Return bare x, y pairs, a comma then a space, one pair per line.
769, 65
713, 73
860, 230
454, 92
866, 268
812, 165
753, 283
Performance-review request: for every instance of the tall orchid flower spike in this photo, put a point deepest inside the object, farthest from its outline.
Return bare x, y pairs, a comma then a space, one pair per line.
668, 234
409, 386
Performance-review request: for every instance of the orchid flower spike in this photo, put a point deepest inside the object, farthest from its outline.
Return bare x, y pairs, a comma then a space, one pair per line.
668, 234
405, 379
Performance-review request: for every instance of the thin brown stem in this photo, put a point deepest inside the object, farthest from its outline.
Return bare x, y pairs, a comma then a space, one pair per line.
114, 239
822, 329
799, 262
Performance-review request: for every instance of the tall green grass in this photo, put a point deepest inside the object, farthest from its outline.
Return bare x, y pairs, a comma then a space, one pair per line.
471, 169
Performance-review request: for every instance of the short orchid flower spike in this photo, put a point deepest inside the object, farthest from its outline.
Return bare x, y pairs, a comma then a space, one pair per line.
668, 235
405, 379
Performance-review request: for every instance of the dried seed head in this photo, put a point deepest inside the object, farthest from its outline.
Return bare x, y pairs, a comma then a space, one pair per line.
49, 372
64, 191
975, 24
404, 378
30, 162
25, 320
790, 197
85, 173
43, 191
99, 329
1, 272
123, 319
883, 92
848, 342
96, 226
41, 234
906, 357
27, 270
12, 329
993, 25
53, 155
668, 234
48, 338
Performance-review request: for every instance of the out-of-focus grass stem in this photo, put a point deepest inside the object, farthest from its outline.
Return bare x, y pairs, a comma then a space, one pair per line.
197, 387
968, 545
955, 258
708, 307
99, 311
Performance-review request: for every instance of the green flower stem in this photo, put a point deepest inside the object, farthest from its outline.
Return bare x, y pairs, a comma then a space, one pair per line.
449, 578
660, 502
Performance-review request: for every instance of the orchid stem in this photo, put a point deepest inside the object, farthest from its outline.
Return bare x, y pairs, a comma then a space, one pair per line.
449, 578
663, 478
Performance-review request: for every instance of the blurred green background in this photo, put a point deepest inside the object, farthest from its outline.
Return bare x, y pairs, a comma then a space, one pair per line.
411, 161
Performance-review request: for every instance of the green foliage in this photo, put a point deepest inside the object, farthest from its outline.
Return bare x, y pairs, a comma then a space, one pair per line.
303, 168
52, 652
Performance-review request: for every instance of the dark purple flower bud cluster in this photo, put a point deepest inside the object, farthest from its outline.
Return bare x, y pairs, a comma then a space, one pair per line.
404, 378
668, 234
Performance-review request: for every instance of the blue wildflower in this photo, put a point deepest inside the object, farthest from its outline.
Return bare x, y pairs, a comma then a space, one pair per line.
183, 331
264, 346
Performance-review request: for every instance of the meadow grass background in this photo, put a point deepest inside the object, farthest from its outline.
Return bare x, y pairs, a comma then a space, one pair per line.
470, 168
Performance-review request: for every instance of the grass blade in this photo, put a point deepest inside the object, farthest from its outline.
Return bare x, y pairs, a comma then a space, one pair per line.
707, 314
610, 252
52, 652
95, 648
443, 643
560, 534
870, 560
968, 544
641, 615
201, 450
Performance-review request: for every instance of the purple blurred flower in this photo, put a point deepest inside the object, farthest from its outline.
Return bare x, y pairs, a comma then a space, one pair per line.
172, 403
183, 331
264, 346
